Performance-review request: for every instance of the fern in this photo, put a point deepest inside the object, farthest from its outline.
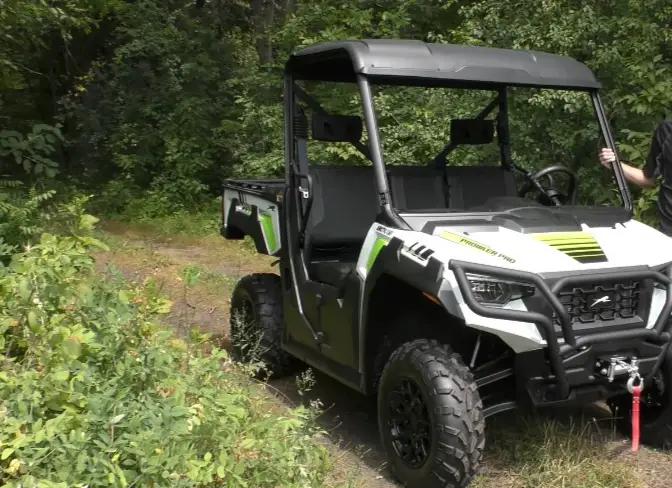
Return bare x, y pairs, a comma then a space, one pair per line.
23, 213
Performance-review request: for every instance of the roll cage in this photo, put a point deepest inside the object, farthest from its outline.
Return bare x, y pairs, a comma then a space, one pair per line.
415, 63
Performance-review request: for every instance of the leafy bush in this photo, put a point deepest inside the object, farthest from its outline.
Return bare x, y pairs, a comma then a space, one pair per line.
94, 392
32, 151
26, 210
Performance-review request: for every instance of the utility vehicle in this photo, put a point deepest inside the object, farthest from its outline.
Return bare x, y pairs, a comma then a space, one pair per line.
451, 292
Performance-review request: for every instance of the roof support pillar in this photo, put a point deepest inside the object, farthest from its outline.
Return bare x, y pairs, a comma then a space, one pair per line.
376, 154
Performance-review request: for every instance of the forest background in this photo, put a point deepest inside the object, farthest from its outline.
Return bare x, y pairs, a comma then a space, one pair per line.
135, 110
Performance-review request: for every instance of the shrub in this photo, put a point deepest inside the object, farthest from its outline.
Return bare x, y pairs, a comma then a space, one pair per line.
22, 216
95, 392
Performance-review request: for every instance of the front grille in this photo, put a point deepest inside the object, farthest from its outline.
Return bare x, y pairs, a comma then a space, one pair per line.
613, 302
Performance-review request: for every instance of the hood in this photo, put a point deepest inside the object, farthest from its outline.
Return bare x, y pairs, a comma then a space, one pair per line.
621, 245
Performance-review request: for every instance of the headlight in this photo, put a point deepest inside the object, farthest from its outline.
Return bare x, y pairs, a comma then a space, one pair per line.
496, 292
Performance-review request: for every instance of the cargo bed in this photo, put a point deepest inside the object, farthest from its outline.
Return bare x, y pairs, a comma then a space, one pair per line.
252, 207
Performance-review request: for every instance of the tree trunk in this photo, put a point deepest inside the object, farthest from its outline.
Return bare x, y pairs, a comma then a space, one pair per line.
263, 15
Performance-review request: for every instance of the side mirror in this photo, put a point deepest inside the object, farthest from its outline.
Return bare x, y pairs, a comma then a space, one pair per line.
472, 131
336, 128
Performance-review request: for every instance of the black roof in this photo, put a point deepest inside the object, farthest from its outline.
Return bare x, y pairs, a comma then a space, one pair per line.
391, 61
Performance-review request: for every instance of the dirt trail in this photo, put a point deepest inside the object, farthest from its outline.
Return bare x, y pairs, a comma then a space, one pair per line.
350, 418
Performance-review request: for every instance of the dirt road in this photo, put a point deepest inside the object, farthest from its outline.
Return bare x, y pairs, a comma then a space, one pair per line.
568, 449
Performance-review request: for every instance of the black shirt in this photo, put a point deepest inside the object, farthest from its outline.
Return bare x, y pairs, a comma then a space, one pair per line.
659, 163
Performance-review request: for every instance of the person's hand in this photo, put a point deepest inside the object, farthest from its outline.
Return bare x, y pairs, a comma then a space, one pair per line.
607, 157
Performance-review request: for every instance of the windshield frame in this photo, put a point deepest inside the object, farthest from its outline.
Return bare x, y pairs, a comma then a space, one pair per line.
501, 102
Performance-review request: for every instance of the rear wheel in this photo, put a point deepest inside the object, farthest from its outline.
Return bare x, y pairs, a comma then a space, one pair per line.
655, 410
430, 416
256, 324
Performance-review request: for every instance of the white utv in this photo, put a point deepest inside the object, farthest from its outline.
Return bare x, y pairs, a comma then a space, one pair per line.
451, 292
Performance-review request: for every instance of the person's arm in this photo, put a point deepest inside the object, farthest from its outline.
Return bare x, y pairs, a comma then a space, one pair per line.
637, 176
634, 175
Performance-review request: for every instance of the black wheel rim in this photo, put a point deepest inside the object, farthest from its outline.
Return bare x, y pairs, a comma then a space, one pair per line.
409, 423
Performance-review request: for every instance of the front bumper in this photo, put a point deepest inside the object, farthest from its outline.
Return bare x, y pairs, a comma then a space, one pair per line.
572, 362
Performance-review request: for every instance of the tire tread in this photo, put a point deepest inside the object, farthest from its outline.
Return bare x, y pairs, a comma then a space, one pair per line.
458, 409
265, 292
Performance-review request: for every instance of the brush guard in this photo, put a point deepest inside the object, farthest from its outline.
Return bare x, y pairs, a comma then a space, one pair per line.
658, 334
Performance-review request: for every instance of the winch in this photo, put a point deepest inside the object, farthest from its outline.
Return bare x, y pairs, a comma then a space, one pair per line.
621, 366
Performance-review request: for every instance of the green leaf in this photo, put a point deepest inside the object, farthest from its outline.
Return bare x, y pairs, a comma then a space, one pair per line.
240, 467
91, 242
62, 375
123, 297
116, 419
33, 321
163, 306
72, 347
24, 289
220, 471
177, 412
6, 453
248, 443
87, 221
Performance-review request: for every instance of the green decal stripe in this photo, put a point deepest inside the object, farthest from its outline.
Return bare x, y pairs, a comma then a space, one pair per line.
579, 245
571, 247
578, 248
554, 242
266, 221
379, 244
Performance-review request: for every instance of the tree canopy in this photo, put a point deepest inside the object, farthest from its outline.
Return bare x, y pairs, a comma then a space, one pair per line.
148, 104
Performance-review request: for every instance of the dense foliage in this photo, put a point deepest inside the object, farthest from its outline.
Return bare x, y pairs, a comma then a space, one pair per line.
94, 392
157, 100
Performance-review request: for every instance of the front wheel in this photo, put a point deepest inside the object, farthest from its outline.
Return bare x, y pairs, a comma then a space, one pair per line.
655, 410
430, 417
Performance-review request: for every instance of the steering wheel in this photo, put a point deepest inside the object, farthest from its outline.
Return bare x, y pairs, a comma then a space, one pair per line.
550, 195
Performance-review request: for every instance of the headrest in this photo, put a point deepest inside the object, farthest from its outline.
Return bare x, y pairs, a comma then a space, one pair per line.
336, 128
471, 131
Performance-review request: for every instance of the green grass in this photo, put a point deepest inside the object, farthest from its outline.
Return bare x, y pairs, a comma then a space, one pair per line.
541, 452
204, 222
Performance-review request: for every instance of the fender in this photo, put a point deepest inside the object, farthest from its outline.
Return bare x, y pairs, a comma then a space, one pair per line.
392, 261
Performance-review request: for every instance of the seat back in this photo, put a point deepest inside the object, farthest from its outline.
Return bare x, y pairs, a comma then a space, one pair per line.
345, 205
345, 201
471, 186
417, 188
